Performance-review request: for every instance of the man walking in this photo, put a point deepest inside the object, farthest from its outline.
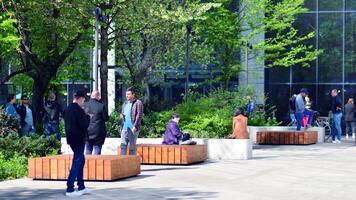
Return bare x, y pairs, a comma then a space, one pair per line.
300, 110
76, 128
131, 114
27, 117
51, 113
336, 109
96, 129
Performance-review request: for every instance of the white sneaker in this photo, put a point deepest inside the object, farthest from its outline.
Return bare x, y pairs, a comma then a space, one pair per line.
338, 141
334, 142
347, 136
73, 194
353, 136
83, 191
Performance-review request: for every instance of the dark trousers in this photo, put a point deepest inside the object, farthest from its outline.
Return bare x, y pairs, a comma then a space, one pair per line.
52, 128
76, 171
300, 116
89, 147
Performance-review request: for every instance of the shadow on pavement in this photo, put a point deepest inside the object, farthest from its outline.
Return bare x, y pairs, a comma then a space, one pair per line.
20, 193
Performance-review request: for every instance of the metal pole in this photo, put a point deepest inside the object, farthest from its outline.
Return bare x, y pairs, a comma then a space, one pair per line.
188, 27
96, 51
246, 63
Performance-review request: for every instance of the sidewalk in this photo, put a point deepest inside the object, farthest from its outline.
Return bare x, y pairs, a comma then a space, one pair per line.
323, 171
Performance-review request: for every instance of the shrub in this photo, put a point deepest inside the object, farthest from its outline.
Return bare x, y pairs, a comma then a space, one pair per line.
113, 124
14, 167
32, 146
8, 124
207, 116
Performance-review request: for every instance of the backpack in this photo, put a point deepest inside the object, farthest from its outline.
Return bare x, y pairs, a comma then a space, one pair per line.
292, 102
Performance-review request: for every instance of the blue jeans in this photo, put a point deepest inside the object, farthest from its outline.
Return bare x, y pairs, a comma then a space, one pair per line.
76, 171
89, 148
128, 138
336, 128
299, 118
52, 128
27, 130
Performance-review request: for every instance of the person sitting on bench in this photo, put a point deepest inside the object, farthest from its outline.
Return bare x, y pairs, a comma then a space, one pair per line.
239, 126
173, 135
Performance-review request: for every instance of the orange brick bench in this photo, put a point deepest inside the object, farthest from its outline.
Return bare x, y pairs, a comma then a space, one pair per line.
287, 137
170, 154
98, 168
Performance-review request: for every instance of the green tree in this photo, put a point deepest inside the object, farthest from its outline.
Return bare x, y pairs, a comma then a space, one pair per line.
235, 24
50, 31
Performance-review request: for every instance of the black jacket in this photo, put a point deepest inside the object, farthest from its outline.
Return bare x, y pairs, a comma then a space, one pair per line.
336, 105
98, 117
76, 124
51, 112
21, 110
350, 112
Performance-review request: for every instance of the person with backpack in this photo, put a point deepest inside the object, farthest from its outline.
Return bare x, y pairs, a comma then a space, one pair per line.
301, 111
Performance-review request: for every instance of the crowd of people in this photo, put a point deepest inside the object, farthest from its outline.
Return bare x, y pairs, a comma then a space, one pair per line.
301, 113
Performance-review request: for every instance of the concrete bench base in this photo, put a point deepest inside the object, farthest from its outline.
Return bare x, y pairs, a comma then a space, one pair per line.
230, 149
170, 154
287, 137
99, 168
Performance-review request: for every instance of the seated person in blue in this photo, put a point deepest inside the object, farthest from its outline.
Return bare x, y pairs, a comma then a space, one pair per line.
172, 133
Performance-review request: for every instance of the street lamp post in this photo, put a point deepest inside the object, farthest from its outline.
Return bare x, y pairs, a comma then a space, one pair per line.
96, 48
189, 31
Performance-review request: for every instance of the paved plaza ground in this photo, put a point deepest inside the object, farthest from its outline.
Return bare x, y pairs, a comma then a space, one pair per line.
315, 172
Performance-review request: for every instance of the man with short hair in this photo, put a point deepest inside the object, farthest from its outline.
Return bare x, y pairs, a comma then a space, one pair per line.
336, 109
27, 118
96, 129
51, 113
76, 128
131, 115
300, 110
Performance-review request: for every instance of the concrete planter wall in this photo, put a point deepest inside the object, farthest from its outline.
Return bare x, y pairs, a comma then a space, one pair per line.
218, 149
254, 129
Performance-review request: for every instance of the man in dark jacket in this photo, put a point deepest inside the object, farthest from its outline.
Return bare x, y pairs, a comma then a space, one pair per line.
27, 118
51, 113
76, 127
96, 129
131, 115
336, 108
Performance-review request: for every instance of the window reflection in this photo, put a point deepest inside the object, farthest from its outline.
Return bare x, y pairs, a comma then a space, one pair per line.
350, 47
330, 40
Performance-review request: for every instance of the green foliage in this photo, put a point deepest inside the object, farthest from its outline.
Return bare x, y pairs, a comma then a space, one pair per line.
113, 124
15, 150
14, 167
8, 124
33, 146
9, 38
207, 116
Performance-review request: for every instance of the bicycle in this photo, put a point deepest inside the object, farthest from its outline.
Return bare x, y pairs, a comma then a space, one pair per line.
326, 123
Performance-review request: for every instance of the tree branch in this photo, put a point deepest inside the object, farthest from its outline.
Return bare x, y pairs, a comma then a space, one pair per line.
71, 46
7, 78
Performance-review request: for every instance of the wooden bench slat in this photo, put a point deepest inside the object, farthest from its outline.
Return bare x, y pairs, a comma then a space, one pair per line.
287, 137
171, 154
95, 168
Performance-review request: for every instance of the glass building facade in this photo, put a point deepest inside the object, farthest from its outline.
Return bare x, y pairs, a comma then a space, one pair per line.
334, 24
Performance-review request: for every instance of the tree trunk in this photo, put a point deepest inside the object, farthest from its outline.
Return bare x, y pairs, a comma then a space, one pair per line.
104, 47
40, 85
